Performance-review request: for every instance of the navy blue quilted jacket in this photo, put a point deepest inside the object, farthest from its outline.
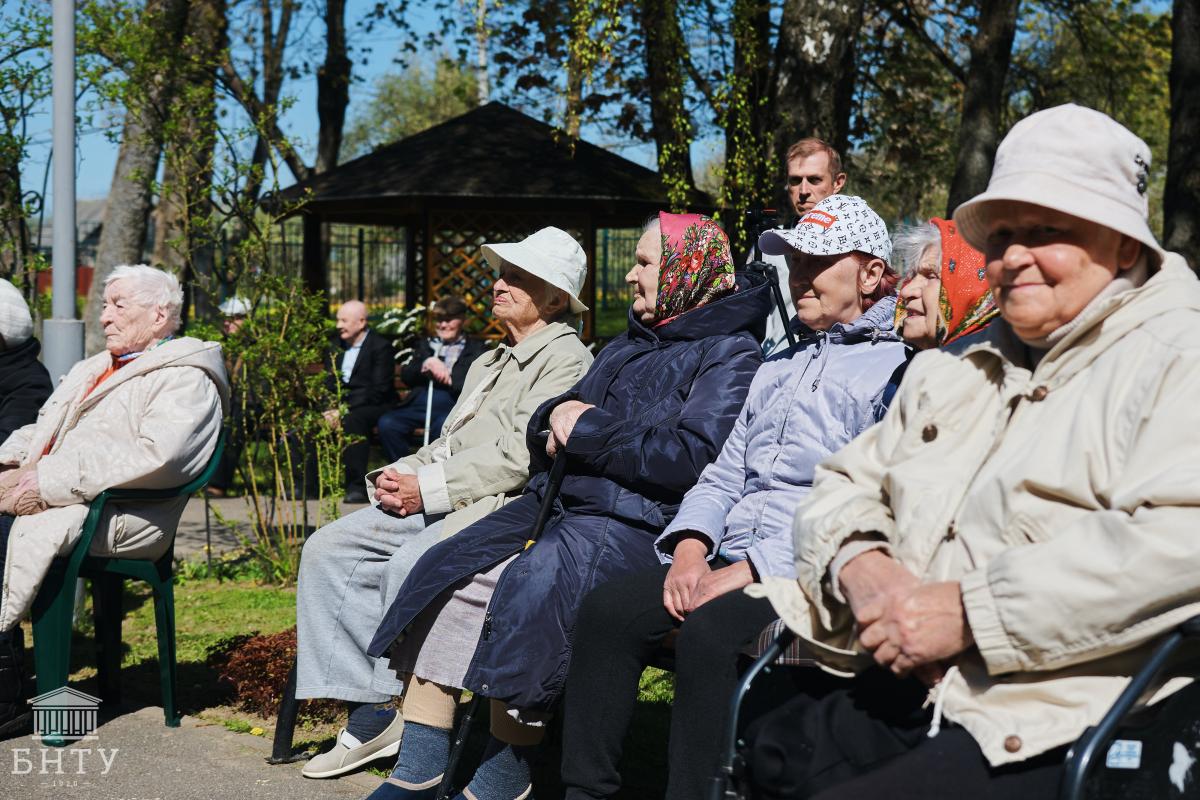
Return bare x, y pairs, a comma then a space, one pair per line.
665, 400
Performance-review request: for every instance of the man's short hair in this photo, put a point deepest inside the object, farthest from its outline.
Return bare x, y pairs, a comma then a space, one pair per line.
450, 308
811, 145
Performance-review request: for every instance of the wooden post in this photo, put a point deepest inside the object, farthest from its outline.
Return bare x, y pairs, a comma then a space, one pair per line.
312, 264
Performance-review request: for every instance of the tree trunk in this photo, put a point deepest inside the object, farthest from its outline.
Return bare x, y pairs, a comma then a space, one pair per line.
14, 234
333, 87
184, 231
748, 158
1181, 203
665, 54
128, 206
813, 84
483, 91
983, 100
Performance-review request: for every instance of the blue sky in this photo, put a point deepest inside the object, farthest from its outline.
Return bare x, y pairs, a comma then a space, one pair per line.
96, 154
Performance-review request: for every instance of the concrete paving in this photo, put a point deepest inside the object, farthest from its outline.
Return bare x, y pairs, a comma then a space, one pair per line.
229, 516
135, 757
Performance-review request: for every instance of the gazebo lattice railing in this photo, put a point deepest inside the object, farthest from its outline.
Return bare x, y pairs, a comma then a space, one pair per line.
455, 264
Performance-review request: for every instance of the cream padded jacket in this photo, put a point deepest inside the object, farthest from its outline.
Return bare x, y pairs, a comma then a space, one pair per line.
152, 425
1066, 500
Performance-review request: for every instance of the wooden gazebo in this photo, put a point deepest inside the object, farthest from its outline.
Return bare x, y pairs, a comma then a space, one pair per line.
492, 174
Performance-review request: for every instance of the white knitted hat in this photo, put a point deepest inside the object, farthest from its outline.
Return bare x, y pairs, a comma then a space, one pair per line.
1070, 159
16, 324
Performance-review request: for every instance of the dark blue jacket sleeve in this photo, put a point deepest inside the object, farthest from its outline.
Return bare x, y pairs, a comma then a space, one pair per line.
670, 455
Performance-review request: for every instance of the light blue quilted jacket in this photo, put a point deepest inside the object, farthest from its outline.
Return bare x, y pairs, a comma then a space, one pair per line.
804, 404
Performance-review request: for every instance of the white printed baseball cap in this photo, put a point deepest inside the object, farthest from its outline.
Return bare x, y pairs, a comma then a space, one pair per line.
841, 223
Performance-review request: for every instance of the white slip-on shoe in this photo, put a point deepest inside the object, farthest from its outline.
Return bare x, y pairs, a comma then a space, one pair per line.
347, 755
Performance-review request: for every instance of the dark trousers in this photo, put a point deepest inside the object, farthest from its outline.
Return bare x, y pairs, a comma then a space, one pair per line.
6, 523
360, 422
620, 626
397, 425
869, 739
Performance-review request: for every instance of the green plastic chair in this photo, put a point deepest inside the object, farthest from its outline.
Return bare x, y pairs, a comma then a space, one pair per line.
54, 606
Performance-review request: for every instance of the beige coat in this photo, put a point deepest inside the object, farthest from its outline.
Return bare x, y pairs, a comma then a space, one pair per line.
151, 425
1065, 500
481, 460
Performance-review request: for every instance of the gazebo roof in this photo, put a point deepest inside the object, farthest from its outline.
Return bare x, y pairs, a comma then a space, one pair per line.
492, 155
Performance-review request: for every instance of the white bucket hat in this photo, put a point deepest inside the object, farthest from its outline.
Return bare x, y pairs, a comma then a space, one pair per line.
1070, 159
552, 255
841, 223
16, 324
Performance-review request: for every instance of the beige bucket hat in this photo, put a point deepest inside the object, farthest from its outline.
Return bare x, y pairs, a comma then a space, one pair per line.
551, 254
1070, 159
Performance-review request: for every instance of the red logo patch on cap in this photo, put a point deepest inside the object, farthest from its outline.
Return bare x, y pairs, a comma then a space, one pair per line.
822, 218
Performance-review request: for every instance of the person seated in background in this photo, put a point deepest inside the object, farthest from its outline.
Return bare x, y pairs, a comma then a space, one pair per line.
435, 376
494, 612
145, 414
351, 568
234, 312
26, 384
365, 363
943, 292
995, 557
735, 524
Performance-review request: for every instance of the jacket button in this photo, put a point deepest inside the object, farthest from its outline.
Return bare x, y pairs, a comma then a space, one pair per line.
461, 504
1012, 743
1039, 394
929, 433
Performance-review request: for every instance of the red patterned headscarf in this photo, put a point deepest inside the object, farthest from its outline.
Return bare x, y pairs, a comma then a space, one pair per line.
696, 266
965, 302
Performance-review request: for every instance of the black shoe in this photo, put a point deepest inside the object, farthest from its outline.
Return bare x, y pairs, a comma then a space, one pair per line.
356, 495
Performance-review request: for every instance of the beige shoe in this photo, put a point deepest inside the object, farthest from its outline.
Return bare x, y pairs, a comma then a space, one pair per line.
347, 757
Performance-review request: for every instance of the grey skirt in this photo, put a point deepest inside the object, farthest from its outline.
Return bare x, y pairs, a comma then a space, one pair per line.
441, 642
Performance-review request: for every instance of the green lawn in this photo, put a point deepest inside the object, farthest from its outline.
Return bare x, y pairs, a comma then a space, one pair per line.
208, 611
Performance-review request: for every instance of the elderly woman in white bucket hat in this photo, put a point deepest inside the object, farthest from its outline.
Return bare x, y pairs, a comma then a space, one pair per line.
993, 558
351, 568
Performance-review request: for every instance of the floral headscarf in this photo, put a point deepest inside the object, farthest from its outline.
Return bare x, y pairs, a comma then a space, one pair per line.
965, 302
696, 266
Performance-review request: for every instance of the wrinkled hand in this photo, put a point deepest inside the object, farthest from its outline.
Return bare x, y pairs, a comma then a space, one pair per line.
332, 418
721, 581
398, 493
562, 422
689, 565
435, 368
922, 628
872, 578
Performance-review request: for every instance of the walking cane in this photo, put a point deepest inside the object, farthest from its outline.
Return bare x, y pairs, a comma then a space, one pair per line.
437, 352
558, 469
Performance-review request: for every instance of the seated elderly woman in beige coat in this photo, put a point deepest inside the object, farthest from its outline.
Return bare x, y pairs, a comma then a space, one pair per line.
995, 557
146, 414
352, 568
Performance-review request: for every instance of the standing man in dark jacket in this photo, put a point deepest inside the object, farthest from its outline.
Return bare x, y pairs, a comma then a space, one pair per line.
26, 385
435, 374
366, 366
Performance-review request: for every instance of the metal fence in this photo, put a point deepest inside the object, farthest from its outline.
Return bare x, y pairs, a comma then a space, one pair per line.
368, 262
616, 250
365, 262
